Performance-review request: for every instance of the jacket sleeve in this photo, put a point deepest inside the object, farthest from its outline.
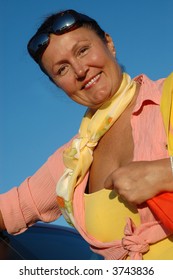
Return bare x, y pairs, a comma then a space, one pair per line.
35, 199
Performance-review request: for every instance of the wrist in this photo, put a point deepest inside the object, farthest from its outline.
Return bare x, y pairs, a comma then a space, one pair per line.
171, 160
168, 175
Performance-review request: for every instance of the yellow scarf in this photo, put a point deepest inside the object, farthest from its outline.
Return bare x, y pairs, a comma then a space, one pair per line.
79, 156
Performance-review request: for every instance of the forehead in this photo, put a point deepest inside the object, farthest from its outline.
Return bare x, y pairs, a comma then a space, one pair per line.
77, 35
60, 46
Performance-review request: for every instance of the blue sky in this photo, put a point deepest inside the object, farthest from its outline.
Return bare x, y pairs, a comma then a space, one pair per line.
36, 117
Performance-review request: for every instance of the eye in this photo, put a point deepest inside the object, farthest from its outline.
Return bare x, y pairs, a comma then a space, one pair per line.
63, 70
84, 50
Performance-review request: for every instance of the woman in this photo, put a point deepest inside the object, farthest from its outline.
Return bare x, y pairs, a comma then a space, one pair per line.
105, 175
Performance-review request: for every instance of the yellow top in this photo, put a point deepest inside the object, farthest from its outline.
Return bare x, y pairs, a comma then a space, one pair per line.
105, 218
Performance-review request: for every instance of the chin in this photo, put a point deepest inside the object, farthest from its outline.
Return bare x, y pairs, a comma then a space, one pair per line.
102, 100
97, 105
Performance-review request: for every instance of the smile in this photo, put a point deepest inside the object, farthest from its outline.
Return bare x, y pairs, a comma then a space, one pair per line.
92, 81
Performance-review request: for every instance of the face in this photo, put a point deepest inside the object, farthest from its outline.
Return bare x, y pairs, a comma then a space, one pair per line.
82, 65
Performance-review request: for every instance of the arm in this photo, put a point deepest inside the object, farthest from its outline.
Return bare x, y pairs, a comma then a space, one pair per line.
140, 181
34, 199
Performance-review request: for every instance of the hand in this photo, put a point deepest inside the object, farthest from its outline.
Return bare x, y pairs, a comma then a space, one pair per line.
2, 226
141, 180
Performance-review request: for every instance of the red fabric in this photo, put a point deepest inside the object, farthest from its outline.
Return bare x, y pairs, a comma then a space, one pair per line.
162, 207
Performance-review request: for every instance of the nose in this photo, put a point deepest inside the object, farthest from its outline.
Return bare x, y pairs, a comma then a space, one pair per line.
80, 69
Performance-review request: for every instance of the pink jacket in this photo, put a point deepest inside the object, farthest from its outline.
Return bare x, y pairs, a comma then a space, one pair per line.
35, 198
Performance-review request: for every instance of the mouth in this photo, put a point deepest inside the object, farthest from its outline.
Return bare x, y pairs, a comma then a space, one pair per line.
91, 82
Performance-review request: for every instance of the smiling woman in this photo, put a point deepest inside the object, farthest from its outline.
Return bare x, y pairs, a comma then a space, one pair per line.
106, 174
83, 65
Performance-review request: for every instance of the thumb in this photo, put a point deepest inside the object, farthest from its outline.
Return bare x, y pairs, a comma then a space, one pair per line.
108, 184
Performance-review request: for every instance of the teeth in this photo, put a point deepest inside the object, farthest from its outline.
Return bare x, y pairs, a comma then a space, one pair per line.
92, 81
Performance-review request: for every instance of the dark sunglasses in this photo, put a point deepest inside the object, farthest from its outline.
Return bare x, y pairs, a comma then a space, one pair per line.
63, 22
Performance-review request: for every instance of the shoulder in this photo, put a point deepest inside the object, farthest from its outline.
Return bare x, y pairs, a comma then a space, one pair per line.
55, 161
149, 89
145, 81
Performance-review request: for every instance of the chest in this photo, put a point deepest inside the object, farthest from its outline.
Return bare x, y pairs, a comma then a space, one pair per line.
115, 149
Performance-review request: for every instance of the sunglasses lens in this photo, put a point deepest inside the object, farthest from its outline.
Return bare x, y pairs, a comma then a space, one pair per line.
63, 23
38, 42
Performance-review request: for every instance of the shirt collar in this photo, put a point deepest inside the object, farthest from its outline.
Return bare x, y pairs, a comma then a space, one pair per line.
150, 92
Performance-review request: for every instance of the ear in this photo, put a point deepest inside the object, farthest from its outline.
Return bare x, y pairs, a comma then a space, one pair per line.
110, 44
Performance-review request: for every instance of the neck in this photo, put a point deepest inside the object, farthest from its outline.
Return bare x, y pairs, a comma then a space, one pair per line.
132, 103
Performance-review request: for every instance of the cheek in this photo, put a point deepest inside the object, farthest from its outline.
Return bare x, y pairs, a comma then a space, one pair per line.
102, 59
65, 83
98, 59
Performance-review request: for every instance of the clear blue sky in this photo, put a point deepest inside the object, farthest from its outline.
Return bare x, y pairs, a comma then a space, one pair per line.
36, 117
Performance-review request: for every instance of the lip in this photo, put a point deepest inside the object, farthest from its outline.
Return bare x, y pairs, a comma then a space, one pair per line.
90, 82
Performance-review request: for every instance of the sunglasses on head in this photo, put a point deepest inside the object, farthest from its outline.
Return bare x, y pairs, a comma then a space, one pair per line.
62, 23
